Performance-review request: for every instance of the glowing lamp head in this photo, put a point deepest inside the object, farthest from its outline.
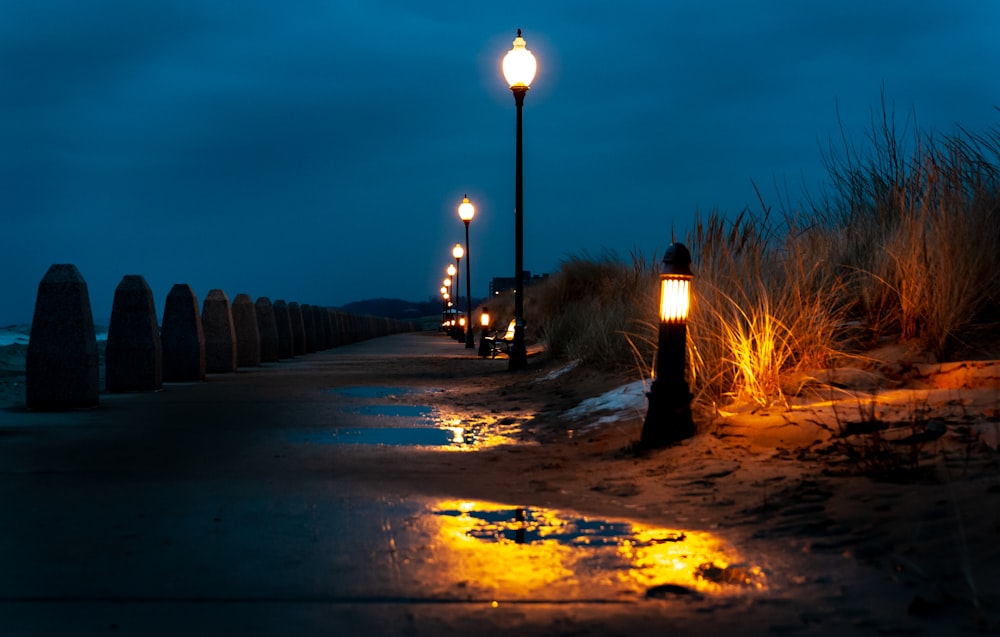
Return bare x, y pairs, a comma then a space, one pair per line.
484, 318
461, 321
675, 284
458, 251
519, 64
447, 282
466, 211
444, 291
451, 269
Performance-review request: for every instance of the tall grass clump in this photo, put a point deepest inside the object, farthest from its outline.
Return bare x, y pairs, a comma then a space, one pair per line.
917, 217
766, 303
598, 310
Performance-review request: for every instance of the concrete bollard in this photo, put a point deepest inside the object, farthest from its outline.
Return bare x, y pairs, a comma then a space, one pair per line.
182, 337
322, 328
62, 361
298, 329
309, 322
283, 323
268, 328
247, 331
220, 336
133, 359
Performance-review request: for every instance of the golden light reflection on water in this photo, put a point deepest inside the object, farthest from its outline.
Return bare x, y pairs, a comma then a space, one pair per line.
511, 553
477, 434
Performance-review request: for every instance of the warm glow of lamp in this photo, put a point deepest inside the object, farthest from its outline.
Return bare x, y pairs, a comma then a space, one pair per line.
458, 251
447, 282
519, 64
466, 210
461, 321
675, 298
451, 269
444, 290
484, 318
675, 285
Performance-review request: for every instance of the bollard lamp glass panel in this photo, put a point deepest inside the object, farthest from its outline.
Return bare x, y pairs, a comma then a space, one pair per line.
484, 319
675, 298
519, 64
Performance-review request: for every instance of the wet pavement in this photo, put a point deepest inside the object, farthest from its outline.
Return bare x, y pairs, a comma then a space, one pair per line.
223, 508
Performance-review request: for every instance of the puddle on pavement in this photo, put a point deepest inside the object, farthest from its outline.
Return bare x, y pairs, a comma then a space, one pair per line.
392, 437
405, 424
374, 391
418, 412
548, 554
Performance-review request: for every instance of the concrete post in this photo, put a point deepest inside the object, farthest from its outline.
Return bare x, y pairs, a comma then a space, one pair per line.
182, 337
247, 331
323, 328
133, 360
220, 335
298, 329
283, 322
62, 362
309, 322
268, 328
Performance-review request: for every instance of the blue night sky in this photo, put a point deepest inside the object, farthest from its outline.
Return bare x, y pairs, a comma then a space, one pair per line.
317, 151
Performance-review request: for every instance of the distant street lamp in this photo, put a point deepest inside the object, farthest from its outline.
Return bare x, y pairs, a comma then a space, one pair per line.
519, 68
458, 252
466, 211
668, 418
447, 298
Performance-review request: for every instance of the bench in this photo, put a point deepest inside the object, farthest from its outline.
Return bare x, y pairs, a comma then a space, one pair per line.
500, 341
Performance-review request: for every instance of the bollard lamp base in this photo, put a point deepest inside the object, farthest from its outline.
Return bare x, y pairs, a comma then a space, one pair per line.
668, 419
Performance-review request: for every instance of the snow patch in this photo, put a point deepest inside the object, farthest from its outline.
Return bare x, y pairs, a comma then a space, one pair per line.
621, 402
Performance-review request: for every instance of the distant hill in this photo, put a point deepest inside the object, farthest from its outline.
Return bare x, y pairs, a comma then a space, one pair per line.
395, 308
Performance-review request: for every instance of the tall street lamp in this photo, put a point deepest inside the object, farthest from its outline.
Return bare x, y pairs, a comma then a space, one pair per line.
668, 418
458, 252
466, 211
453, 303
519, 69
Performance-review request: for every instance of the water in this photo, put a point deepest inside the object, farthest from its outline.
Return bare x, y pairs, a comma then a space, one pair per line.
546, 553
403, 424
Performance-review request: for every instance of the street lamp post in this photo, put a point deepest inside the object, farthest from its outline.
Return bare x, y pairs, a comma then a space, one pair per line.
466, 211
668, 419
519, 68
452, 283
458, 252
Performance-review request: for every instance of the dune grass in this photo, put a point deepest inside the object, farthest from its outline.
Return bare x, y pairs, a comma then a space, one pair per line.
903, 243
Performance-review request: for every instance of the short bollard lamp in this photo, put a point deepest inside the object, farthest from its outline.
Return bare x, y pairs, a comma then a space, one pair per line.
668, 418
484, 323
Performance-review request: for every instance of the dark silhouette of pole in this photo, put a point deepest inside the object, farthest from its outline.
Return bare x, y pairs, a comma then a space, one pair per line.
469, 342
518, 352
459, 336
